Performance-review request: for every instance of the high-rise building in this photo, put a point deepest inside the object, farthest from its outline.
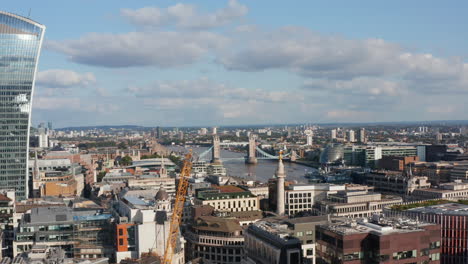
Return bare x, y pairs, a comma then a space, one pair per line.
214, 130
362, 136
310, 140
159, 132
333, 134
351, 137
21, 41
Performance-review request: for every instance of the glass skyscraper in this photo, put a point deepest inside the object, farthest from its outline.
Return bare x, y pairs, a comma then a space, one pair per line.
20, 46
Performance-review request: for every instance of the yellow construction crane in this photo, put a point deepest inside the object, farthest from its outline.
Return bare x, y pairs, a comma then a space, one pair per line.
178, 208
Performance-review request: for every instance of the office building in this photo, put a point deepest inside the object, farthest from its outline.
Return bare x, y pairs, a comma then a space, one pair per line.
227, 198
395, 163
452, 219
456, 189
82, 232
370, 155
270, 243
357, 202
436, 172
21, 41
459, 172
378, 240
302, 197
303, 228
396, 182
215, 240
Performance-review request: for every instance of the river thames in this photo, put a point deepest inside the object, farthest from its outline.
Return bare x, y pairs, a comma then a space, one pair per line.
262, 171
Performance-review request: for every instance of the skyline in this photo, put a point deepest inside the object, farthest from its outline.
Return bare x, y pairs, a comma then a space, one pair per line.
248, 63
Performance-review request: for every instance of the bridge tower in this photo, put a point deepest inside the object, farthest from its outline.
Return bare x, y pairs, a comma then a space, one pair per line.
252, 159
216, 157
293, 155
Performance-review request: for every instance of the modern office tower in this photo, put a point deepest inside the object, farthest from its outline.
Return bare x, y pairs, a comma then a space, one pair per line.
351, 137
159, 132
49, 125
20, 42
333, 134
362, 136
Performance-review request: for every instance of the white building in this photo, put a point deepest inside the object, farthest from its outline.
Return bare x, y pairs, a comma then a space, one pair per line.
149, 221
302, 197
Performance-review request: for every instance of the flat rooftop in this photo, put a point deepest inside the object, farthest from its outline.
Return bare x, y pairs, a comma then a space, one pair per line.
383, 226
446, 209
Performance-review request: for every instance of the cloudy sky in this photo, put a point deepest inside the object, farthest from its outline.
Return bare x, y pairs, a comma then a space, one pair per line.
228, 62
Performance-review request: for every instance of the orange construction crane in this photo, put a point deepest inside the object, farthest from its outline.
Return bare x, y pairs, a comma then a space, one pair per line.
178, 208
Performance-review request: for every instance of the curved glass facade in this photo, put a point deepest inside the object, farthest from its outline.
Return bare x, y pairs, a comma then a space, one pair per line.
20, 45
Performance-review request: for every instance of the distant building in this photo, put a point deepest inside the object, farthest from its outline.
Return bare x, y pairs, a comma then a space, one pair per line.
333, 134
351, 137
436, 172
362, 139
445, 190
357, 202
396, 182
395, 163
379, 240
203, 131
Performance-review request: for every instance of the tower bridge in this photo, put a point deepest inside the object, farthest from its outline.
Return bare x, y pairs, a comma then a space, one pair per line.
254, 154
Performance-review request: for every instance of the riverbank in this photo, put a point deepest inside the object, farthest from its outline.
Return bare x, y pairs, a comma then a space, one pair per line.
312, 164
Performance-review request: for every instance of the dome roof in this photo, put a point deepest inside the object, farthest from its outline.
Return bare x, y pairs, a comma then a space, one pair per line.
161, 194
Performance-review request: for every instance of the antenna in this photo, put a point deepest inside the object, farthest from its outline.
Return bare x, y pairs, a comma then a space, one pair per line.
29, 13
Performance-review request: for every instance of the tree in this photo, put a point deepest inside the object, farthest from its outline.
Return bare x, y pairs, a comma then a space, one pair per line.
122, 145
100, 176
126, 161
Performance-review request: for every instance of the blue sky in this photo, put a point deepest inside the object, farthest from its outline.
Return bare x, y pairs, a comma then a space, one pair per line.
233, 62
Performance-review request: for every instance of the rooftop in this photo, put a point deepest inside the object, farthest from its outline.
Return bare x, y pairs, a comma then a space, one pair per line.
217, 224
446, 209
376, 225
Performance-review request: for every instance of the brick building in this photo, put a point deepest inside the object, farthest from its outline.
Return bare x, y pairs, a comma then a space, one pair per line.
380, 240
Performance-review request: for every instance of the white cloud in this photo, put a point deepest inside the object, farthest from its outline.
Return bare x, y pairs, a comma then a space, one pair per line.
59, 78
161, 49
56, 103
184, 16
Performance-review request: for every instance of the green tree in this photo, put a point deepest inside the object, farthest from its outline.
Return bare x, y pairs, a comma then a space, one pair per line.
101, 175
122, 145
126, 161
